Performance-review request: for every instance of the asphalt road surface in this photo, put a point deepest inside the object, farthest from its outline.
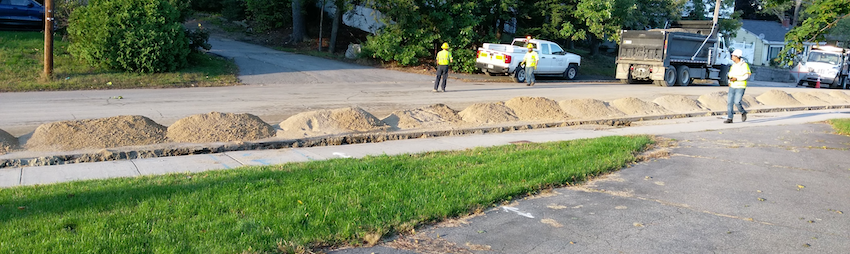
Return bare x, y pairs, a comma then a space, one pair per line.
280, 84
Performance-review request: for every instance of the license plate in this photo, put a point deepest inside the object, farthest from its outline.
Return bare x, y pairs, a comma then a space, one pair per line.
490, 66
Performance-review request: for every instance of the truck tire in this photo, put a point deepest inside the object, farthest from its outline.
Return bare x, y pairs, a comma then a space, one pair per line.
669, 77
519, 75
571, 72
684, 76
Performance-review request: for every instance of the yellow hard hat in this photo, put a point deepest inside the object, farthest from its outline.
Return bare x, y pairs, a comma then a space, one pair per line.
445, 45
531, 46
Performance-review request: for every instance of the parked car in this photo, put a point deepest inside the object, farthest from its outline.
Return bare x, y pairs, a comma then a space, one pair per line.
21, 14
503, 59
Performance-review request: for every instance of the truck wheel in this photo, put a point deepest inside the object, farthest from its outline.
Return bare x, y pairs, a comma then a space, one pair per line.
519, 75
801, 83
684, 77
571, 72
669, 77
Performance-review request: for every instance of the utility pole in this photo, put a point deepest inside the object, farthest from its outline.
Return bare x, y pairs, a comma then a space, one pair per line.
48, 39
321, 24
716, 14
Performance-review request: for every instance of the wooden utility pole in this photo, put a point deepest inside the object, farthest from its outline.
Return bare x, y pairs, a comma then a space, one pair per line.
48, 39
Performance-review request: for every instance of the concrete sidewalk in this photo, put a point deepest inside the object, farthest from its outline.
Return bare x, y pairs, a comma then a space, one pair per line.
196, 163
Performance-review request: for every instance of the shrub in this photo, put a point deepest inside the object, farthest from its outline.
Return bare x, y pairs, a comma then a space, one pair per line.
233, 9
131, 35
266, 15
198, 39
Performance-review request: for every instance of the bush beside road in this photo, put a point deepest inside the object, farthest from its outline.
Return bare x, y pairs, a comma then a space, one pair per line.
21, 66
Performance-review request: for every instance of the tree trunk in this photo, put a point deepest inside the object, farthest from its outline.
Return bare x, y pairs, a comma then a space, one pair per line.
594, 45
297, 23
796, 12
335, 28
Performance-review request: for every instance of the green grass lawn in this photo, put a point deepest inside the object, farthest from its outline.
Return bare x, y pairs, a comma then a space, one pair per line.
285, 207
22, 65
599, 64
842, 126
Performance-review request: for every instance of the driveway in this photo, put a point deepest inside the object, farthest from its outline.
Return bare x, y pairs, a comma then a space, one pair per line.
770, 189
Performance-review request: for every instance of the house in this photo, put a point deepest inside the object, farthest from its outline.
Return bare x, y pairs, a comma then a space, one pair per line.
760, 40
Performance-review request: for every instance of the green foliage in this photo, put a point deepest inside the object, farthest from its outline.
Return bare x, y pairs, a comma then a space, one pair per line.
313, 204
820, 16
842, 126
198, 39
234, 9
131, 35
417, 29
206, 5
267, 15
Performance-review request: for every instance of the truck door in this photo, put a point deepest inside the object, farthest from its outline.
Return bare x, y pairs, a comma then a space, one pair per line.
560, 56
546, 59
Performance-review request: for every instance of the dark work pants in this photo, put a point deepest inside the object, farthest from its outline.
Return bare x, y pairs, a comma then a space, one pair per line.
442, 73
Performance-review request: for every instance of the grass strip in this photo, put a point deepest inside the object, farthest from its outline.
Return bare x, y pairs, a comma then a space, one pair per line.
22, 65
284, 207
842, 126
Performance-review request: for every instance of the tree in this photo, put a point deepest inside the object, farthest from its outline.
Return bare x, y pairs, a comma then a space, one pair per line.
841, 31
340, 8
821, 16
298, 25
778, 8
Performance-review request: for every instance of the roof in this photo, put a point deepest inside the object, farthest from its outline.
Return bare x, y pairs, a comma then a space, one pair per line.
772, 30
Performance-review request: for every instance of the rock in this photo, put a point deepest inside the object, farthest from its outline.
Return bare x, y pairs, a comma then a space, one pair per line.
353, 51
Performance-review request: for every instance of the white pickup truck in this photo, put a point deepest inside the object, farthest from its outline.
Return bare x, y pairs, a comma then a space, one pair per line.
500, 59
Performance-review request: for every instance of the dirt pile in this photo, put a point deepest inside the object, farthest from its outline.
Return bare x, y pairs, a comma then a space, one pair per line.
7, 142
841, 95
329, 122
828, 98
679, 103
536, 108
778, 98
808, 99
96, 134
714, 101
589, 108
635, 106
437, 115
487, 113
750, 101
219, 127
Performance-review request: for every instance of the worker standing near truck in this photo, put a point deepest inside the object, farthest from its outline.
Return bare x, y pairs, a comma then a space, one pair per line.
530, 61
444, 57
738, 75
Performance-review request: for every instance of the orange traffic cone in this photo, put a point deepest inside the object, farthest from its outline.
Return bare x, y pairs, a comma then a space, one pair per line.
817, 85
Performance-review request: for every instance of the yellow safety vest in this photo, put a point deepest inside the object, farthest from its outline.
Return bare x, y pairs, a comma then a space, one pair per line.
738, 71
530, 59
444, 57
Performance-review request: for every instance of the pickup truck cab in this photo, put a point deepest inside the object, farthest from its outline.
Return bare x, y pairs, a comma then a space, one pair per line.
504, 59
826, 64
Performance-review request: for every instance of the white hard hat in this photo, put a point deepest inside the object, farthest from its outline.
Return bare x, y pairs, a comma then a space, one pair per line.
738, 53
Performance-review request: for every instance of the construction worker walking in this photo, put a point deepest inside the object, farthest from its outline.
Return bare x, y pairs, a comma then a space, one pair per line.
530, 61
738, 75
444, 58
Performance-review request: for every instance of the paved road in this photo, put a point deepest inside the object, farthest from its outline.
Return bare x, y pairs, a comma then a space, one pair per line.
773, 189
281, 84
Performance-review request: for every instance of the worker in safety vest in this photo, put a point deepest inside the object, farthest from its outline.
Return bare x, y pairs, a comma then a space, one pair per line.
530, 61
444, 57
738, 75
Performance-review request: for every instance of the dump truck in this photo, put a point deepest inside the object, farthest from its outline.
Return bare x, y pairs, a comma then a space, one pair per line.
676, 55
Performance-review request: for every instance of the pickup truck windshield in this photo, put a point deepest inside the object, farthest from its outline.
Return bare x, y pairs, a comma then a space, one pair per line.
823, 57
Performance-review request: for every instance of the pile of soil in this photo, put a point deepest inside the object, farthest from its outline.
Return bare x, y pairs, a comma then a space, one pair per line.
715, 101
328, 122
635, 106
219, 127
589, 108
437, 115
536, 108
96, 134
750, 101
778, 98
840, 95
679, 103
808, 99
828, 98
486, 113
7, 142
